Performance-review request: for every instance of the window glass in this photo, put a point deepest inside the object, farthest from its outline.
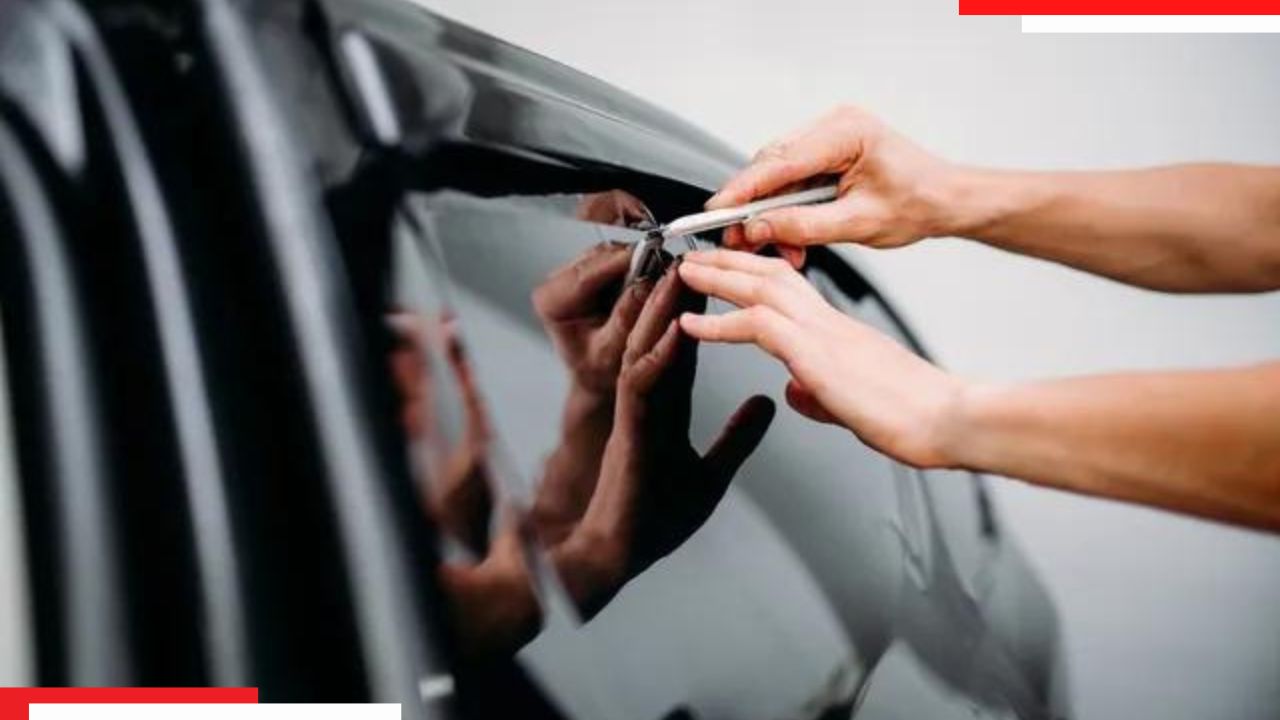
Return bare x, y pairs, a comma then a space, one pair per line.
774, 598
727, 619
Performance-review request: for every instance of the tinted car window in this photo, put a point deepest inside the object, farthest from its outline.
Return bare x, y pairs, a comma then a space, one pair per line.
775, 603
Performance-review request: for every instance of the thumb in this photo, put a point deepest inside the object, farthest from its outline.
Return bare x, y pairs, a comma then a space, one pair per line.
793, 255
740, 437
811, 225
803, 402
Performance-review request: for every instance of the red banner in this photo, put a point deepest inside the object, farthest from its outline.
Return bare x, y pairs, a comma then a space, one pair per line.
1119, 7
14, 701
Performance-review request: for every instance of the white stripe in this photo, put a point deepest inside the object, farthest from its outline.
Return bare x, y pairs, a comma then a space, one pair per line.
1151, 23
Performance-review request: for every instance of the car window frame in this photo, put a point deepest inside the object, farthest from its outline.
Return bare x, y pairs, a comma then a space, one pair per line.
17, 662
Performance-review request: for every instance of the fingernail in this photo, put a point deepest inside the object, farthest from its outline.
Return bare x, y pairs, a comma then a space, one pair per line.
641, 288
713, 201
759, 231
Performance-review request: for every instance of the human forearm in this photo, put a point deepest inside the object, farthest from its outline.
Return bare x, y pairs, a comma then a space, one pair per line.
570, 470
1188, 228
1205, 443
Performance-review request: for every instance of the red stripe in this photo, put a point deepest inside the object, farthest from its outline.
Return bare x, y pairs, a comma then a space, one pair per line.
14, 701
1119, 7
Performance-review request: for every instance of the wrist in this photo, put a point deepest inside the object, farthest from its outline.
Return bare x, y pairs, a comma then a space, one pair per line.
494, 607
586, 417
973, 202
585, 400
963, 434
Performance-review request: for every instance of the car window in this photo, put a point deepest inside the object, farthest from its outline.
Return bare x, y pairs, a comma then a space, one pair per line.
15, 621
770, 608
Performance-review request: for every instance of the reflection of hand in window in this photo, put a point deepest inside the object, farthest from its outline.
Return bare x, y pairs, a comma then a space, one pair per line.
615, 207
588, 314
654, 490
456, 487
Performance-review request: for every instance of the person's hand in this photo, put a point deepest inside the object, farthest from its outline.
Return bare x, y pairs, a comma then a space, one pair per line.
654, 489
455, 486
892, 192
613, 207
843, 371
588, 313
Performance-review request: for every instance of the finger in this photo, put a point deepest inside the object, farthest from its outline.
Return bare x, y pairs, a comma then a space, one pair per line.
737, 260
791, 162
631, 208
477, 421
740, 437
804, 402
571, 288
766, 177
735, 238
775, 149
760, 326
793, 254
743, 289
612, 338
656, 315
639, 377
798, 226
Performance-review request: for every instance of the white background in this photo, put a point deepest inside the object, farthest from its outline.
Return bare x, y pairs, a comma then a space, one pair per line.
1164, 617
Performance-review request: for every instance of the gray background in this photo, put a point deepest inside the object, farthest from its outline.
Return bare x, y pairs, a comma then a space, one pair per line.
1165, 617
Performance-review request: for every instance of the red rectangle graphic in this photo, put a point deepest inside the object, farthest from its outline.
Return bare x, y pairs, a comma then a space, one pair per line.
1119, 7
14, 701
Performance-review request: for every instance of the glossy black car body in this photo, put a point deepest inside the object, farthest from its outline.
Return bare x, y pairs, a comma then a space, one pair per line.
210, 209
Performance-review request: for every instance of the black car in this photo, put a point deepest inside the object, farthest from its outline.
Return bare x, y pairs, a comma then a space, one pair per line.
326, 368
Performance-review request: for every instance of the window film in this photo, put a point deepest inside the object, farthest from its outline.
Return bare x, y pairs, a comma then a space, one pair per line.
718, 617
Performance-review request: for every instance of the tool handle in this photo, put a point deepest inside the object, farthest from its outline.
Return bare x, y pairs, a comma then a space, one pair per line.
713, 219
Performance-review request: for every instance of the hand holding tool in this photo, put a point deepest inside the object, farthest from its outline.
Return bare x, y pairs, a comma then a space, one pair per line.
650, 259
715, 219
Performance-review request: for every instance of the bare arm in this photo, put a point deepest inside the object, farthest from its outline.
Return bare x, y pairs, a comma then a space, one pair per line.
1205, 443
1189, 228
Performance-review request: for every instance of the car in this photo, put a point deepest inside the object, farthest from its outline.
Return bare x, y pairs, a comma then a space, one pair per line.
318, 382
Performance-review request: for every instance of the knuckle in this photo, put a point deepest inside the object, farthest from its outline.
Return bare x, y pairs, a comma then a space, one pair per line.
757, 317
776, 150
773, 291
542, 302
630, 356
629, 379
712, 327
777, 267
847, 111
802, 366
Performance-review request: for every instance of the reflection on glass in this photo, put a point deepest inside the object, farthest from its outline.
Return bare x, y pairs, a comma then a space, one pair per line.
555, 448
623, 486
